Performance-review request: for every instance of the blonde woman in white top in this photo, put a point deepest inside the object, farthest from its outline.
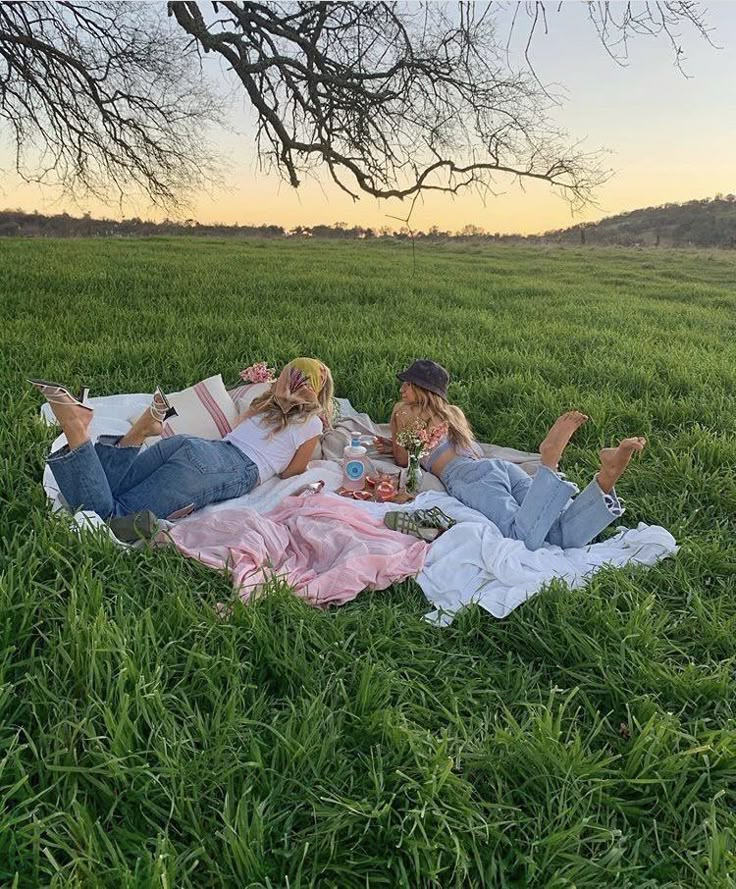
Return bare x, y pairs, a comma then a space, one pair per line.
180, 474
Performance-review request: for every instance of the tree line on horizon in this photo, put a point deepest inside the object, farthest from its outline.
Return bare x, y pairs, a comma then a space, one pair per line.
697, 223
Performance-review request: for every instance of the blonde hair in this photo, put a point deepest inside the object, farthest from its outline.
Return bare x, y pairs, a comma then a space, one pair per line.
273, 415
433, 407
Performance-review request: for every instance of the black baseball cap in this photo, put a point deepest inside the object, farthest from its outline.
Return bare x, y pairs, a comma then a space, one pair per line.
428, 375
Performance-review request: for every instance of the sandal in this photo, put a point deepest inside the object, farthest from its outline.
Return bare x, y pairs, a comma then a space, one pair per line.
159, 413
406, 523
57, 394
434, 517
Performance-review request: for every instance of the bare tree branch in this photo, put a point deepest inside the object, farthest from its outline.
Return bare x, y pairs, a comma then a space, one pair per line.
398, 98
104, 98
391, 99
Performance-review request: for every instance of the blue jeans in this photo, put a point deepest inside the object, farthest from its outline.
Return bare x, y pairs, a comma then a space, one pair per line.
176, 475
535, 509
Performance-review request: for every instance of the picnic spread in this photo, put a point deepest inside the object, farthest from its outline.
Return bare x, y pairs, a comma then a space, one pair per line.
329, 547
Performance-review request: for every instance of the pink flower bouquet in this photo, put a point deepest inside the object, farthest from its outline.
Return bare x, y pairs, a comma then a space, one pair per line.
418, 440
258, 373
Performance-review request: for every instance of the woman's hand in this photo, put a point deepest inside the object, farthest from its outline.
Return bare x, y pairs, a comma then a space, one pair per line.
389, 447
383, 445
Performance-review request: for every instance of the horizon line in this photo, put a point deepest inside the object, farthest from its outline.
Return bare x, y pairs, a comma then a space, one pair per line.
478, 231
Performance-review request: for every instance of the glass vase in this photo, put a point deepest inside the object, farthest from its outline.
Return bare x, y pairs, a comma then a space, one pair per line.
413, 475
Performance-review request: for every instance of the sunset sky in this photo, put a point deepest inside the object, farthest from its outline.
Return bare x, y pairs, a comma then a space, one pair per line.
670, 138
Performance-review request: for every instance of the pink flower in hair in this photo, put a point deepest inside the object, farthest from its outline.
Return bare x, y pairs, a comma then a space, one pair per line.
434, 436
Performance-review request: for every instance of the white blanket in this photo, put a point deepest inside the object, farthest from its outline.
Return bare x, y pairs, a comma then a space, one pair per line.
473, 563
470, 563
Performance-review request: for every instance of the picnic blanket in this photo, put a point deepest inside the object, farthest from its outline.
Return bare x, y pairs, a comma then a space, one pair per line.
470, 563
323, 546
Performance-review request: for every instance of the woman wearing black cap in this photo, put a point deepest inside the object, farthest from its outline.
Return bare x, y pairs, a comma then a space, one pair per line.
534, 509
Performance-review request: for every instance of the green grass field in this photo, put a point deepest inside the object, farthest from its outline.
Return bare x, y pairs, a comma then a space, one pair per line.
145, 742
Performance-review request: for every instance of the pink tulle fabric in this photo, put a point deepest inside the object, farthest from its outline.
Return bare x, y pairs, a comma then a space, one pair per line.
328, 549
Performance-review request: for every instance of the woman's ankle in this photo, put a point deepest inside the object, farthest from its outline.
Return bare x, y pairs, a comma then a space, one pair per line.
145, 426
606, 481
550, 463
131, 439
76, 435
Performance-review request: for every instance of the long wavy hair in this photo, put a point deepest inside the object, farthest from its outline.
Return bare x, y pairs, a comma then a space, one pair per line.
275, 416
434, 409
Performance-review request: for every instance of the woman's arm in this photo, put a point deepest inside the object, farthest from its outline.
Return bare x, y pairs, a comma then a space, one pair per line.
300, 459
401, 416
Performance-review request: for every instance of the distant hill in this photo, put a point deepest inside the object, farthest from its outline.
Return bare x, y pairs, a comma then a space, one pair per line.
702, 223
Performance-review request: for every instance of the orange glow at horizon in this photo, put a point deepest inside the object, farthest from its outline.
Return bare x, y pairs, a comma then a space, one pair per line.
670, 138
533, 210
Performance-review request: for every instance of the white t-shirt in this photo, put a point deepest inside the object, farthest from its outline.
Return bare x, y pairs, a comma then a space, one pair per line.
272, 453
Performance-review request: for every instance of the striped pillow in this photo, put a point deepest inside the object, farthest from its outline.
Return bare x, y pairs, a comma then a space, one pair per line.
205, 410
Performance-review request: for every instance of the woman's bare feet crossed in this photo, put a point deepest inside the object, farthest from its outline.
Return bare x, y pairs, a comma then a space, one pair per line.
558, 438
615, 460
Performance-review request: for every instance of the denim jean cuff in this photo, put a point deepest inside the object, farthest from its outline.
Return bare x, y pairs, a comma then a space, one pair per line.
64, 449
571, 487
65, 454
111, 441
614, 504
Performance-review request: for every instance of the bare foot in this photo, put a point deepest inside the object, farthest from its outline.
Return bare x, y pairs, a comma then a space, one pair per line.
559, 436
615, 460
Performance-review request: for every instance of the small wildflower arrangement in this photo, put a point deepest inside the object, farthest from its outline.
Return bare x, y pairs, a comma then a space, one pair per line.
418, 441
258, 373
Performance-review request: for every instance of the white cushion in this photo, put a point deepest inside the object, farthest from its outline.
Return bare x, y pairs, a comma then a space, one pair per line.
205, 410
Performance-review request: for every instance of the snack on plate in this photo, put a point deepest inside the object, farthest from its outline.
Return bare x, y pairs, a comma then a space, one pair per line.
385, 490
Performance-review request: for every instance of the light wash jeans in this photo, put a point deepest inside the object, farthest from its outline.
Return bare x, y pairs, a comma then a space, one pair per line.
535, 509
176, 475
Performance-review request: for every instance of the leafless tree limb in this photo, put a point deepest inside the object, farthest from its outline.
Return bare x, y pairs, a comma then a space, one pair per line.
397, 98
391, 99
103, 98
